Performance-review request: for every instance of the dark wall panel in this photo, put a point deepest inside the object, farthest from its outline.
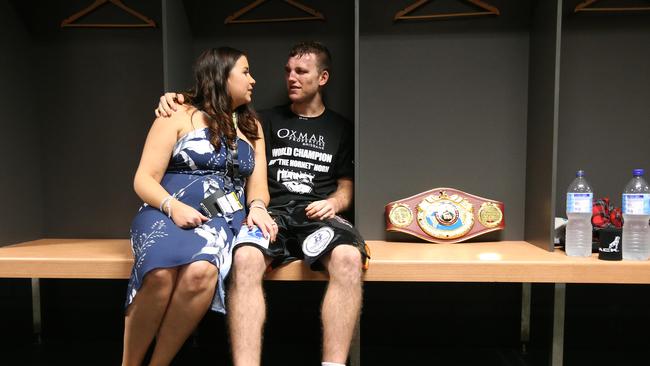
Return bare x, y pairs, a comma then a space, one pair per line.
20, 140
442, 104
604, 101
98, 90
542, 123
268, 44
178, 54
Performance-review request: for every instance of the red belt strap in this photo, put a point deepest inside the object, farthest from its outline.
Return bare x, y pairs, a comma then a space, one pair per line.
445, 215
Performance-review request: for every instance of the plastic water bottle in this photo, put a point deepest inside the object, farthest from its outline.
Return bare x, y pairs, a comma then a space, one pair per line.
636, 213
579, 203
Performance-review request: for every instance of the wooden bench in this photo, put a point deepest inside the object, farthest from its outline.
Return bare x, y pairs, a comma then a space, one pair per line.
507, 261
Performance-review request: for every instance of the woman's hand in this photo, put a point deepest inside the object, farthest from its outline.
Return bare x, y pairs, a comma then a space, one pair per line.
261, 218
185, 216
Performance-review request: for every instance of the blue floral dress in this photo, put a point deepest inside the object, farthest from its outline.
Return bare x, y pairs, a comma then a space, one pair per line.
195, 171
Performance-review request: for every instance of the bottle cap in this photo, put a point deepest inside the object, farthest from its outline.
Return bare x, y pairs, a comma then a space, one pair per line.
638, 172
580, 173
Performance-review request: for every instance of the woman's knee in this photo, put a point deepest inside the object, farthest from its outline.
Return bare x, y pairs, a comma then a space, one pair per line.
161, 281
198, 277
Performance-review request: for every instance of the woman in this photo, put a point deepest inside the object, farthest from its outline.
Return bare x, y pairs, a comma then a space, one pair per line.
213, 148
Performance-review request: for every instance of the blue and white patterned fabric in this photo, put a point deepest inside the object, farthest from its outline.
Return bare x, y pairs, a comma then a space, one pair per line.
195, 171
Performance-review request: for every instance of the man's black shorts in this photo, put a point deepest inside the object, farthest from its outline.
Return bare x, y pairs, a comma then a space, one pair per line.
301, 238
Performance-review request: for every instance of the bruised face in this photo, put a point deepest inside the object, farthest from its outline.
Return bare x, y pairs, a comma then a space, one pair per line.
240, 83
303, 77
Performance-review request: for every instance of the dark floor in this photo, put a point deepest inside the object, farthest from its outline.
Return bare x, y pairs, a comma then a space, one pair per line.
63, 353
70, 353
402, 324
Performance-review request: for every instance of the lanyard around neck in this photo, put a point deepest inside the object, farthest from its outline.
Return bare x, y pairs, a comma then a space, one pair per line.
233, 156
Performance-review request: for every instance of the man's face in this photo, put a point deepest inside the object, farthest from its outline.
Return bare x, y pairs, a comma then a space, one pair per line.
303, 77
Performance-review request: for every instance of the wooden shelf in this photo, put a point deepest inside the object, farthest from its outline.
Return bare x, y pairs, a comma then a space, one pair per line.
507, 261
67, 258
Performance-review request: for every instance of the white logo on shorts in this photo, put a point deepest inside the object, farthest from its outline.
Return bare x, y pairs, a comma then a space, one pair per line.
315, 243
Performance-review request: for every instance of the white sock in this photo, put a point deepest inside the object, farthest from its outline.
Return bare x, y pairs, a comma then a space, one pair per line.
331, 364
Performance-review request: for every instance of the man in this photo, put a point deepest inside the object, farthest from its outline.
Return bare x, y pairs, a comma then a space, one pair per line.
310, 173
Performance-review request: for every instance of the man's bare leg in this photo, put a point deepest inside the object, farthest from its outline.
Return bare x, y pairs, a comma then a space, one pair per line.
246, 305
342, 302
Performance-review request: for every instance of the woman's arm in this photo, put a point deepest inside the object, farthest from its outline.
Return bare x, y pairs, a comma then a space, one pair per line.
153, 163
257, 191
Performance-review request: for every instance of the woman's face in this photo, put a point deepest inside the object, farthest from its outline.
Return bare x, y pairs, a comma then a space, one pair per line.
240, 83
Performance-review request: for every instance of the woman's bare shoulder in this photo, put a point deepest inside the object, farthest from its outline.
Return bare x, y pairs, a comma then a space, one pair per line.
186, 118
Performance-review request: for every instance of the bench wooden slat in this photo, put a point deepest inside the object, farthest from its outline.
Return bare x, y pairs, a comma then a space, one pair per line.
507, 261
67, 258
95, 258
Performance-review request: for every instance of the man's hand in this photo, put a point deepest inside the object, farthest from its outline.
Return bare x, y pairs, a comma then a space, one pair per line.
168, 104
322, 210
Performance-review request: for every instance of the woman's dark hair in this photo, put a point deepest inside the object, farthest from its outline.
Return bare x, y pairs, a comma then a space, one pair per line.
210, 94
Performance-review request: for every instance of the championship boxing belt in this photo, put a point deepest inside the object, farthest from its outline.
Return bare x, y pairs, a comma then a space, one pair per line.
445, 215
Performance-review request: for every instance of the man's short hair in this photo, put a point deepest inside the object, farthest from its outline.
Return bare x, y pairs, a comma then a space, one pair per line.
322, 53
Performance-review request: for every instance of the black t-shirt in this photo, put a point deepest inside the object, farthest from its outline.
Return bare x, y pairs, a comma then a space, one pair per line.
306, 155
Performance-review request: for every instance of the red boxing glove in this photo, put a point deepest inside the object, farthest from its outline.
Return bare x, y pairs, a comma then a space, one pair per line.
604, 214
600, 213
616, 217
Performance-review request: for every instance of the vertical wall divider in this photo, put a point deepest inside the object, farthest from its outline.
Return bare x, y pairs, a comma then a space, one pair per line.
357, 111
542, 125
165, 43
177, 46
23, 216
355, 349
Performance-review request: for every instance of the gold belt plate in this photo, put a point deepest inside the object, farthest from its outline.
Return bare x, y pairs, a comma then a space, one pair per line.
445, 217
400, 215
